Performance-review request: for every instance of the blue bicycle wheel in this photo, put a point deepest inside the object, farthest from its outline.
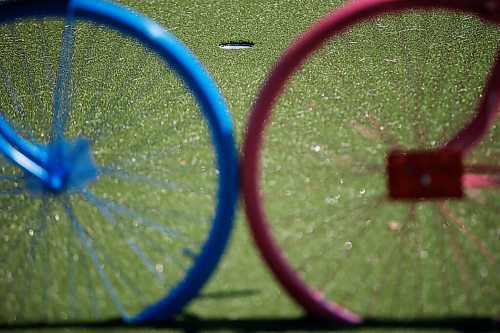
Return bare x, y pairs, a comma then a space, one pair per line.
118, 166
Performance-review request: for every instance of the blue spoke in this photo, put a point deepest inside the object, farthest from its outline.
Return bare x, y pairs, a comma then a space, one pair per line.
48, 68
11, 91
141, 179
25, 128
111, 68
97, 132
124, 211
189, 253
131, 284
17, 206
119, 170
36, 234
6, 178
124, 277
145, 259
18, 238
94, 102
135, 248
63, 84
87, 47
133, 245
8, 286
87, 245
44, 209
97, 135
71, 271
124, 164
146, 155
29, 78
90, 289
28, 275
11, 191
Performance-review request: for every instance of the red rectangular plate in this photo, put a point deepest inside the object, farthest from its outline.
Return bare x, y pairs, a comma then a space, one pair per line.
419, 175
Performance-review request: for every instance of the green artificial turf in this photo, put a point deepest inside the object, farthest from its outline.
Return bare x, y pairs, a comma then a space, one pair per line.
411, 80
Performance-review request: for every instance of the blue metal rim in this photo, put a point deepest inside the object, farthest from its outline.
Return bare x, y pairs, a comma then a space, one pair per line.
213, 107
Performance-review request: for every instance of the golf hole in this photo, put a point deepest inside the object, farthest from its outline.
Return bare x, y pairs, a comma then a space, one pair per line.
236, 45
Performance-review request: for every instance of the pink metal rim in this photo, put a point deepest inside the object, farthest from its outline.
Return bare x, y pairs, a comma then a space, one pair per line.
334, 23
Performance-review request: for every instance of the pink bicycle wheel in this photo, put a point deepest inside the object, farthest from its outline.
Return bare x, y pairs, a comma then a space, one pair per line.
407, 92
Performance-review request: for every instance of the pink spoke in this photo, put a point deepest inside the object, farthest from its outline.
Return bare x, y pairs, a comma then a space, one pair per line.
482, 175
444, 263
353, 164
478, 197
366, 132
457, 256
446, 210
375, 132
480, 155
483, 169
475, 180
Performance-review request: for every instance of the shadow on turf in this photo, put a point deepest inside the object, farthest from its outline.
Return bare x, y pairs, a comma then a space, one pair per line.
228, 294
190, 323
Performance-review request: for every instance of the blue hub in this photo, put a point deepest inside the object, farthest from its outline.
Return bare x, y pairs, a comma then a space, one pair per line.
71, 166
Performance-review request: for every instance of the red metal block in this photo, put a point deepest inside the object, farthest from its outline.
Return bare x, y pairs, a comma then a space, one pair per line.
416, 175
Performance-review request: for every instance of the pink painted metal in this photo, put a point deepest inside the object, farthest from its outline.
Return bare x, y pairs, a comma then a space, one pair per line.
332, 24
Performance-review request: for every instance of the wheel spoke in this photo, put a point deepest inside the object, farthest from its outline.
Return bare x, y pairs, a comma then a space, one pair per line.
460, 224
89, 249
106, 213
101, 88
62, 93
132, 215
25, 129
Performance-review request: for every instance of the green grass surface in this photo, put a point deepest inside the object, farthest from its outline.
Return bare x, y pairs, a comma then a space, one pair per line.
322, 121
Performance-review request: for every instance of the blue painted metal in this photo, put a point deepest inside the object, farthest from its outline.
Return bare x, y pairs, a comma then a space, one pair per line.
46, 165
